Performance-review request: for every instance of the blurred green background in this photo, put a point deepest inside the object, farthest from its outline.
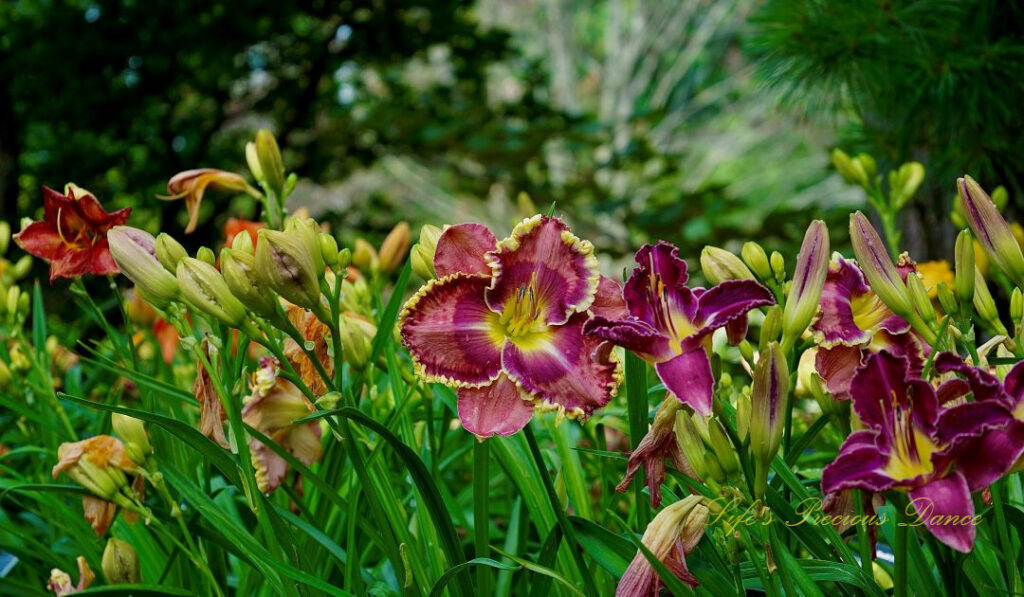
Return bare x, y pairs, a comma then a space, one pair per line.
694, 121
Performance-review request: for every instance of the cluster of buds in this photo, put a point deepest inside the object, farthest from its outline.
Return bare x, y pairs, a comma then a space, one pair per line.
706, 447
859, 170
391, 254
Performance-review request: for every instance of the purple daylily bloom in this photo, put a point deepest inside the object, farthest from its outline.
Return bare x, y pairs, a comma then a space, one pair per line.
910, 444
669, 324
853, 322
504, 321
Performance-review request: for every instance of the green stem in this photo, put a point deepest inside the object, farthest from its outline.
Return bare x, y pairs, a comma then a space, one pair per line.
563, 521
1004, 537
481, 516
863, 541
900, 552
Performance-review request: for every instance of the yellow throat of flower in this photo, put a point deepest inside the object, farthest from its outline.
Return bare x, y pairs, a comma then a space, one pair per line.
522, 317
911, 453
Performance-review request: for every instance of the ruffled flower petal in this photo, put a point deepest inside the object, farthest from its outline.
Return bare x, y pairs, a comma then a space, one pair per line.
656, 291
985, 458
544, 263
883, 384
608, 301
565, 369
850, 312
836, 367
461, 248
729, 301
857, 466
937, 501
631, 334
499, 408
450, 332
689, 377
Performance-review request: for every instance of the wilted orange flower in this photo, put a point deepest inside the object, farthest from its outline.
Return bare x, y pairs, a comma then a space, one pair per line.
211, 411
72, 234
191, 184
315, 331
60, 581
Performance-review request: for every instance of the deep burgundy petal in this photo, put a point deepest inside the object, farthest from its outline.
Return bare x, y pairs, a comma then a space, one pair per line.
631, 334
937, 501
857, 466
689, 377
608, 301
450, 333
728, 301
461, 248
986, 458
656, 291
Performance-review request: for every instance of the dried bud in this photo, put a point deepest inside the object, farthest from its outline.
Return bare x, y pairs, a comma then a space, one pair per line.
965, 266
169, 251
97, 464
754, 256
204, 289
121, 563
239, 271
284, 263
394, 248
878, 267
670, 537
720, 265
768, 402
133, 433
134, 252
991, 230
808, 283
271, 166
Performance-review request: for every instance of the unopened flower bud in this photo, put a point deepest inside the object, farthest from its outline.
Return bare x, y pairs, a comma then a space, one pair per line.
5, 236
169, 252
756, 259
395, 247
239, 271
422, 262
134, 252
946, 298
308, 231
121, 563
21, 267
205, 254
985, 306
242, 242
771, 327
808, 283
356, 336
878, 267
768, 403
13, 294
724, 451
850, 169
868, 164
204, 289
919, 297
253, 160
904, 183
1017, 309
991, 230
132, 432
689, 441
364, 256
329, 401
778, 263
328, 248
965, 266
271, 166
97, 464
743, 416
720, 265
344, 258
284, 264
429, 235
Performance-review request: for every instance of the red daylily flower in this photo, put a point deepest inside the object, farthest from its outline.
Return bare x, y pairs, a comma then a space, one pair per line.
72, 234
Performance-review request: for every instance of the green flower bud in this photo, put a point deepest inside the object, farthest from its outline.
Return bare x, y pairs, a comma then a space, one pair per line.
964, 265
868, 164
778, 263
169, 252
365, 256
284, 264
904, 183
204, 289
768, 402
253, 160
329, 401
344, 258
132, 432
756, 259
720, 265
121, 563
21, 267
205, 254
422, 261
134, 252
946, 298
690, 443
1017, 309
724, 451
308, 232
239, 271
985, 306
743, 415
13, 294
851, 170
429, 235
919, 297
771, 327
328, 248
991, 230
881, 272
271, 166
5, 236
242, 242
356, 339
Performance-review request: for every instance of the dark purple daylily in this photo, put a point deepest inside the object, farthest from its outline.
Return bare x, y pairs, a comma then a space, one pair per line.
1001, 448
853, 322
910, 444
504, 325
670, 325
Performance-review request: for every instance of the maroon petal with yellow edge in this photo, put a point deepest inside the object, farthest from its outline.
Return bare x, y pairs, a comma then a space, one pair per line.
451, 334
542, 271
945, 507
563, 368
689, 377
461, 248
496, 409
